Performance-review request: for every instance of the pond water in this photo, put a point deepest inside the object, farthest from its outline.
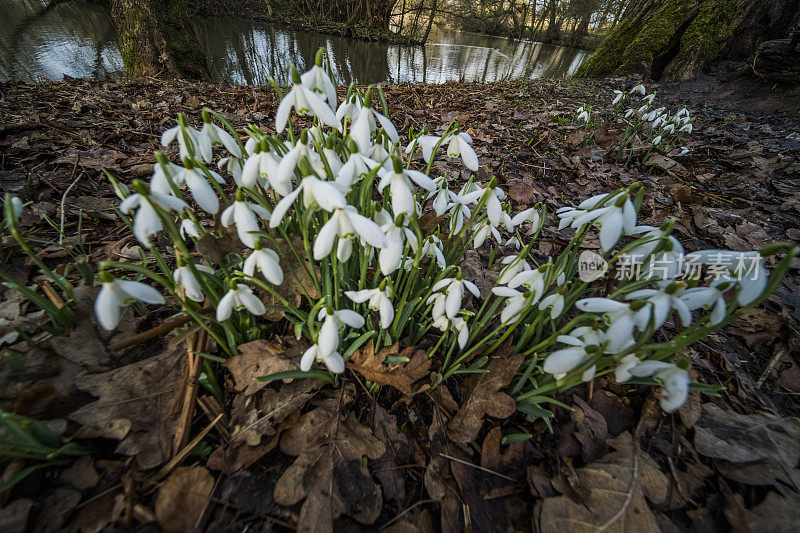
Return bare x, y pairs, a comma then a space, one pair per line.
76, 38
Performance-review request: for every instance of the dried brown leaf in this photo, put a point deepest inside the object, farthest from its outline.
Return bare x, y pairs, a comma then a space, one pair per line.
485, 398
134, 405
262, 358
615, 492
757, 449
402, 376
329, 474
183, 497
776, 513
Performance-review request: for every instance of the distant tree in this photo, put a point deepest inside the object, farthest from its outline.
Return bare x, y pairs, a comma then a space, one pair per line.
675, 39
157, 38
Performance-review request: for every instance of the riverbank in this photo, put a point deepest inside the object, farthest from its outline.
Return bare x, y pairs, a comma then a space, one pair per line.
738, 188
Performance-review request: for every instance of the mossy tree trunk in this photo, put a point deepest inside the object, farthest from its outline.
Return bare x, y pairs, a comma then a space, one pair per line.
157, 38
675, 39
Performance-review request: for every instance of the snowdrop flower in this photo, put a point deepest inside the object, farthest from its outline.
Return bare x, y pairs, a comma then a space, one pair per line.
669, 128
629, 112
459, 145
281, 179
215, 136
146, 221
365, 123
15, 207
622, 318
399, 182
187, 135
712, 296
426, 144
531, 215
516, 303
239, 297
454, 289
744, 269
615, 216
638, 89
656, 140
116, 293
333, 321
318, 81
618, 96
663, 301
305, 102
686, 128
482, 231
440, 196
684, 151
649, 98
349, 108
514, 264
622, 373
191, 228
184, 275
397, 232
259, 167
555, 302
459, 212
583, 114
344, 223
379, 299
266, 261
333, 360
674, 382
357, 165
432, 247
583, 343
163, 172
494, 209
515, 242
459, 325
243, 214
195, 180
315, 193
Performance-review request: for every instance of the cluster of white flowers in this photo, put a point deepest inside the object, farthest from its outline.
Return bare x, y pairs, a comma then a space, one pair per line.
664, 130
338, 201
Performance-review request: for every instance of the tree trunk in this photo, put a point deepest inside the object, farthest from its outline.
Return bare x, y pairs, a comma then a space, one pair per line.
156, 38
430, 20
675, 39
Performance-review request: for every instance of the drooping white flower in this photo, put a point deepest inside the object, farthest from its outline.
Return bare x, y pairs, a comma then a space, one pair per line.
305, 102
344, 223
458, 324
397, 234
332, 322
197, 183
639, 88
531, 215
459, 212
583, 114
191, 286
663, 301
399, 182
333, 360
146, 221
315, 193
16, 207
674, 382
618, 95
622, 373
237, 298
116, 293
266, 261
583, 343
365, 123
514, 264
712, 296
245, 215
745, 269
454, 290
623, 319
555, 302
379, 300
482, 231
614, 214
356, 166
187, 135
426, 143
318, 81
432, 247
191, 228
216, 136
258, 168
516, 302
440, 196
163, 172
459, 145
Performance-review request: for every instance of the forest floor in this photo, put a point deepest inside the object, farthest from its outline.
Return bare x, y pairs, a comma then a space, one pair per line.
614, 462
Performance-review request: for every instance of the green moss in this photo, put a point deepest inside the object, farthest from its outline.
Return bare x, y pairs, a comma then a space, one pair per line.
706, 36
609, 54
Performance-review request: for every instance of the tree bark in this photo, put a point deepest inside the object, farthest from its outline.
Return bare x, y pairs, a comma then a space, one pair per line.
675, 39
157, 38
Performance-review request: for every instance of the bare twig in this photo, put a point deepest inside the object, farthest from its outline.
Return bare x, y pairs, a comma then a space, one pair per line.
167, 326
64, 200
770, 367
498, 474
175, 461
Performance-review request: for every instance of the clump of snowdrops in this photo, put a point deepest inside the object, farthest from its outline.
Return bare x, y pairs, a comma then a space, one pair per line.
337, 206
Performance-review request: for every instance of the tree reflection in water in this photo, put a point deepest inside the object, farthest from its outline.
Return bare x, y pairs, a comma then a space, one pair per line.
76, 38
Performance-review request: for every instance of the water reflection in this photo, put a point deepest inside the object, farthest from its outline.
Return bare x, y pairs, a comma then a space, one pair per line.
249, 52
77, 38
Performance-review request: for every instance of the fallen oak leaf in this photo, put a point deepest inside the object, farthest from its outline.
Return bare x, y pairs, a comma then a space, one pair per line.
616, 487
183, 497
485, 398
400, 376
329, 475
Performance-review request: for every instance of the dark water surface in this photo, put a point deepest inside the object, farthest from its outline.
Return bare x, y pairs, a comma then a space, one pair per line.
77, 39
